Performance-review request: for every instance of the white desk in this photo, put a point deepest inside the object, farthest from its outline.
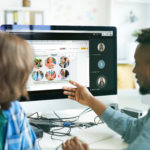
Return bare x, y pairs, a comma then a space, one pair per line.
110, 142
98, 137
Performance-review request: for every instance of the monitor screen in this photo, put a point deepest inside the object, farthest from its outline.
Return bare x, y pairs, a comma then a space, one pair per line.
85, 54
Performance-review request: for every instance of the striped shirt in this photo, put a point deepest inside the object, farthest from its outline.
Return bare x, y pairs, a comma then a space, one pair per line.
19, 134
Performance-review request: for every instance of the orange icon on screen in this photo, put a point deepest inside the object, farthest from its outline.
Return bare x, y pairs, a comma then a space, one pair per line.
83, 48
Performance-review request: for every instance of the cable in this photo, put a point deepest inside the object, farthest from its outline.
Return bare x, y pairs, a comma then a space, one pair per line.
74, 117
34, 114
56, 125
99, 120
56, 133
58, 146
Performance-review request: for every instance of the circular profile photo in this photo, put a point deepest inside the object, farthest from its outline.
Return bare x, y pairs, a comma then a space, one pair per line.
101, 64
37, 63
64, 62
101, 47
50, 75
64, 74
101, 82
50, 62
37, 75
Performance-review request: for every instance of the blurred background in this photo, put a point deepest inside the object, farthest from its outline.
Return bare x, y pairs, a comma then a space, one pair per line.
127, 15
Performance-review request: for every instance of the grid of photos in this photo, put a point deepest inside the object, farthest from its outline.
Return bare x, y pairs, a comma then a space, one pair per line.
51, 68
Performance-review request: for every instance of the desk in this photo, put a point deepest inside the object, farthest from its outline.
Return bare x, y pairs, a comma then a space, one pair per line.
112, 141
98, 137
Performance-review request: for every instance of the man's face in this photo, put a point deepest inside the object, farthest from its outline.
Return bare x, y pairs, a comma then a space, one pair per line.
142, 67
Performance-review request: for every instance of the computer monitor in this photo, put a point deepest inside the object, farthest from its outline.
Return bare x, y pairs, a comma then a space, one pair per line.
85, 54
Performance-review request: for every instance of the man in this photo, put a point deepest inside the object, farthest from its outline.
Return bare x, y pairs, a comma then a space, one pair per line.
136, 132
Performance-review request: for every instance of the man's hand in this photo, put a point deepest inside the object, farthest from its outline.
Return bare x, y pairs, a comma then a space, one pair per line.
74, 144
81, 94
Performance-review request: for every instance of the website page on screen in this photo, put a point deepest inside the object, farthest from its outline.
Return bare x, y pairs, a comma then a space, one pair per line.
58, 61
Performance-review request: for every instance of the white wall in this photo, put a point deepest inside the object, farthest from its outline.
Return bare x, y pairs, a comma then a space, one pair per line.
67, 12
120, 17
80, 12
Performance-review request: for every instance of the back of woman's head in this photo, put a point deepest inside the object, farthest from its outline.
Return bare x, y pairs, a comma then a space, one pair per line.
16, 63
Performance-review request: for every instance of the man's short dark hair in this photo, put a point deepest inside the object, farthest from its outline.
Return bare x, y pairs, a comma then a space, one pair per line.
144, 36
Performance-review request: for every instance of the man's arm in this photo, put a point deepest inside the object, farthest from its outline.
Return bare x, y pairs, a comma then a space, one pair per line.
142, 142
126, 126
123, 124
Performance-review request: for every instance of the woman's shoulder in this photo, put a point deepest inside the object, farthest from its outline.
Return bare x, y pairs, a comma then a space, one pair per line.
16, 106
14, 109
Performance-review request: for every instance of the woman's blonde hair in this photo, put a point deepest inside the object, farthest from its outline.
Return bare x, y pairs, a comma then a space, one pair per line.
16, 63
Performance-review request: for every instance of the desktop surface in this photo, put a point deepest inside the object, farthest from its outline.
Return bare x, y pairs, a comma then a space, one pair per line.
98, 137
